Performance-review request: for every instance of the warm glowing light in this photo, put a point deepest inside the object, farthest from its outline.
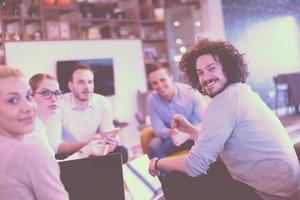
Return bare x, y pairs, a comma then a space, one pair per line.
176, 23
197, 23
182, 49
271, 94
177, 58
178, 41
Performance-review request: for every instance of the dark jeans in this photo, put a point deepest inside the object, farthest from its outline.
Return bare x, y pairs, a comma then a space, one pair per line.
167, 148
217, 184
123, 151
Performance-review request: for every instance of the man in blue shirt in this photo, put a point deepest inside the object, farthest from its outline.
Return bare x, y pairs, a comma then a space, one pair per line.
169, 98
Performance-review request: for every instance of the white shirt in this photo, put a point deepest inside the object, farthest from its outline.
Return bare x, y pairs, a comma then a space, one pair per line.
251, 141
39, 136
70, 123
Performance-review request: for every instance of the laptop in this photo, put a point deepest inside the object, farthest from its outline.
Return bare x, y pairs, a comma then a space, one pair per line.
94, 178
140, 184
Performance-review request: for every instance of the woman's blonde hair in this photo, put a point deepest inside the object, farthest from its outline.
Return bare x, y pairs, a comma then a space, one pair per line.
6, 72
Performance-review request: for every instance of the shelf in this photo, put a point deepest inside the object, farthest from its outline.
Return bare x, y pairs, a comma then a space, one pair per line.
107, 5
29, 20
154, 40
57, 10
196, 3
151, 22
123, 21
102, 19
11, 19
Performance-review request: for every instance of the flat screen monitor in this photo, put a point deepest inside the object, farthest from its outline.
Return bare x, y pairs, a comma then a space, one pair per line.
103, 74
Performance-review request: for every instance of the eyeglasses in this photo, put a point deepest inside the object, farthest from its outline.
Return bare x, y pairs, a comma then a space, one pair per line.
47, 94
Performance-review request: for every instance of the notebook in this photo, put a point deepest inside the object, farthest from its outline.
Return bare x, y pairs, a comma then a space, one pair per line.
94, 178
140, 184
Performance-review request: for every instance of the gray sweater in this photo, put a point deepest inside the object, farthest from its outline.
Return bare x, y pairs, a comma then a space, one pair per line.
251, 141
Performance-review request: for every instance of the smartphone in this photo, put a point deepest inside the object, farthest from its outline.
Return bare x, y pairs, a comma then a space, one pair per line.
111, 133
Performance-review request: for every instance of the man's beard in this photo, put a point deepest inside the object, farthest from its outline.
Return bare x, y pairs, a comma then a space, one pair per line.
78, 97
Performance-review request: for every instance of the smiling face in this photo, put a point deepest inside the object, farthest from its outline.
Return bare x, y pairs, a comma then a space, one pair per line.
161, 81
46, 107
82, 84
210, 74
17, 108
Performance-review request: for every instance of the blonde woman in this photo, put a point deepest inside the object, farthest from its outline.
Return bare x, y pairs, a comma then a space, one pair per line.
27, 171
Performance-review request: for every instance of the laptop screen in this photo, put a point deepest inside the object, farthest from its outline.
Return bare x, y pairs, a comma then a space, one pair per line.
94, 178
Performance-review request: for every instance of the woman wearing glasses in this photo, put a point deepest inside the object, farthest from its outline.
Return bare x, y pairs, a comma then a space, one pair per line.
45, 93
26, 171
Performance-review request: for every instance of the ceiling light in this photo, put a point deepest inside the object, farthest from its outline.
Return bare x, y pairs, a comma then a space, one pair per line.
178, 41
176, 23
182, 49
177, 58
197, 23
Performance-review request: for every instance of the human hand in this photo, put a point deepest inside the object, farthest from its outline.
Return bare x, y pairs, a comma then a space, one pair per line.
152, 168
112, 143
95, 148
179, 137
181, 123
93, 137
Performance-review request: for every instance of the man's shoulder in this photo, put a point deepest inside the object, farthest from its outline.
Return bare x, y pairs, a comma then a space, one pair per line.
98, 97
66, 98
152, 97
186, 91
184, 87
235, 89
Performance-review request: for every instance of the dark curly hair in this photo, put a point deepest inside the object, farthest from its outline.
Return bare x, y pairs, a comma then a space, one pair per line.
234, 66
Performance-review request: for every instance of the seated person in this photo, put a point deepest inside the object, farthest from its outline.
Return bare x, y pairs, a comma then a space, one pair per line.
46, 93
166, 99
27, 171
81, 117
237, 126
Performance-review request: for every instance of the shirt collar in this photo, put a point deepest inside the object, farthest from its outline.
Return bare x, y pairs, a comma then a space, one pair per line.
174, 98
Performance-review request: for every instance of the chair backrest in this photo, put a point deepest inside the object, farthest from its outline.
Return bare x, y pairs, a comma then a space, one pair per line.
146, 136
142, 107
281, 82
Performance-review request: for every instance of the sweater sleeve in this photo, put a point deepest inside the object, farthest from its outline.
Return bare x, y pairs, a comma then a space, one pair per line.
217, 126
